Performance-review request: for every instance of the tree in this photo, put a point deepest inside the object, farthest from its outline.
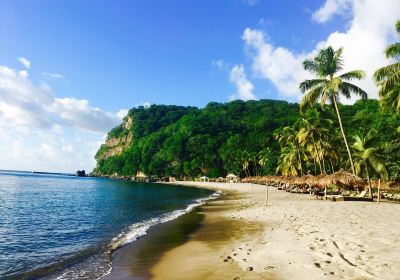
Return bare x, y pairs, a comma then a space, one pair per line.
288, 163
328, 86
388, 77
313, 133
287, 136
367, 155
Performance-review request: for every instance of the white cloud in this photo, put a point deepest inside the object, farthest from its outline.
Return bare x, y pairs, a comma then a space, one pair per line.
244, 88
370, 30
52, 76
42, 132
331, 8
25, 62
122, 113
281, 66
78, 113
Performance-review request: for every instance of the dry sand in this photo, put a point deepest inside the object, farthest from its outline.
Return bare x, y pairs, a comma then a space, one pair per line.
294, 237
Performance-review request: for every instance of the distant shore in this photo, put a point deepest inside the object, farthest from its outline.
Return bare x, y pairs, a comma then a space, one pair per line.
294, 237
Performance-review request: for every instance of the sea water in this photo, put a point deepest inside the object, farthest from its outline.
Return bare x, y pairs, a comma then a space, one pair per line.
65, 227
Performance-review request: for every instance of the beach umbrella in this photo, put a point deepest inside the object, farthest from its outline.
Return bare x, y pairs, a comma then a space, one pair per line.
343, 178
306, 180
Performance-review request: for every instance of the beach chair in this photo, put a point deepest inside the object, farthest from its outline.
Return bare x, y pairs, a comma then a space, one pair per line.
362, 194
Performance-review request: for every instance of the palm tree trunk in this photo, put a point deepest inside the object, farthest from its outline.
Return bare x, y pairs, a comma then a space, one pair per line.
333, 170
323, 161
301, 165
344, 135
315, 167
319, 161
369, 181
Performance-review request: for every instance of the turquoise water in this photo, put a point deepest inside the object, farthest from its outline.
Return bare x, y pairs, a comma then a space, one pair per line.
66, 227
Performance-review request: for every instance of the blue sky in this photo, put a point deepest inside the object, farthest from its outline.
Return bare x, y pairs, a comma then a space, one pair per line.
70, 69
149, 51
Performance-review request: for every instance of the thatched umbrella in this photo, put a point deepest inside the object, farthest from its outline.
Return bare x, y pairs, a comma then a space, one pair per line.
342, 178
316, 181
305, 180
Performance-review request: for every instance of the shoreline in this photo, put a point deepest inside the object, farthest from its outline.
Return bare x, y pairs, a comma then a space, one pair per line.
294, 237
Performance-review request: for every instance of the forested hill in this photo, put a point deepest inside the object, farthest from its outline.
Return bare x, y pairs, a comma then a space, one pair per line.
235, 137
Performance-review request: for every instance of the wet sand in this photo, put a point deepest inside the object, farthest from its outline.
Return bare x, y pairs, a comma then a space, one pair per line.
294, 237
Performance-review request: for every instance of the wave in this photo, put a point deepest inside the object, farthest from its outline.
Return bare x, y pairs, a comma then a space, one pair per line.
140, 229
99, 265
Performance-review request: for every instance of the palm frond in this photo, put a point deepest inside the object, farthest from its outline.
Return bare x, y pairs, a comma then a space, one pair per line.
354, 89
310, 84
310, 65
391, 82
310, 98
391, 98
355, 74
398, 26
379, 166
338, 59
393, 51
382, 73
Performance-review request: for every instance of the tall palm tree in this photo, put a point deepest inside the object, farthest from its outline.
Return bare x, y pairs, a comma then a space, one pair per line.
328, 86
388, 77
366, 155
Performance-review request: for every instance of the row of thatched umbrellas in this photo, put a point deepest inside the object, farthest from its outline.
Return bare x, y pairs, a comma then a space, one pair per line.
340, 178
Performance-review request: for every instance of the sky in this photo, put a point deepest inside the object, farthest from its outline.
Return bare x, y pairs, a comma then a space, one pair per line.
70, 69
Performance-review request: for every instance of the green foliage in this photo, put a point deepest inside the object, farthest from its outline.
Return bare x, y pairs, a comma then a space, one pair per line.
249, 138
117, 132
388, 77
232, 137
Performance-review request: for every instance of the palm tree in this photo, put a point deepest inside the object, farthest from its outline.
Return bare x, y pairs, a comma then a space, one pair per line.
288, 136
327, 86
388, 77
366, 155
314, 132
288, 163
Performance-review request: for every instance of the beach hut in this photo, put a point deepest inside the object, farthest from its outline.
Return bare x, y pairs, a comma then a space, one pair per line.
231, 178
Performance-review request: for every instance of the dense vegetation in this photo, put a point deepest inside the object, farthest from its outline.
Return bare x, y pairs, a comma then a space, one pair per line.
240, 137
271, 137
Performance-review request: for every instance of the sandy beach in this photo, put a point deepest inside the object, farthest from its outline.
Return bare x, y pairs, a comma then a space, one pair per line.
294, 237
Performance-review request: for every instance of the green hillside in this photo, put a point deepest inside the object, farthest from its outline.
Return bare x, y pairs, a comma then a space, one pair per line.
238, 137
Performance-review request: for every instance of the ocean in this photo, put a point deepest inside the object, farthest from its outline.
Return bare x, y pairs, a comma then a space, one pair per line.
66, 227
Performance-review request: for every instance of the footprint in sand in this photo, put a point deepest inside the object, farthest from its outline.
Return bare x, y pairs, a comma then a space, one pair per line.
317, 265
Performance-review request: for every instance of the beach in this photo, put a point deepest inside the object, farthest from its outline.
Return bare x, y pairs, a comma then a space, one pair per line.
294, 237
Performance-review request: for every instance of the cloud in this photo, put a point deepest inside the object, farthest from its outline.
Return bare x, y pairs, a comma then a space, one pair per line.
42, 132
122, 113
78, 113
52, 76
24, 104
25, 62
244, 88
369, 32
277, 64
331, 8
